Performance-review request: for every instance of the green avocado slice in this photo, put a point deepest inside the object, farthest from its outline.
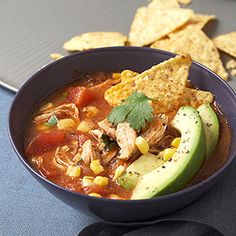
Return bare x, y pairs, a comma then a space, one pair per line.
211, 126
141, 166
186, 162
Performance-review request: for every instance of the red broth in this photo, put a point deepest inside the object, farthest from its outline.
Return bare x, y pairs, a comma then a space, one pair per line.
42, 140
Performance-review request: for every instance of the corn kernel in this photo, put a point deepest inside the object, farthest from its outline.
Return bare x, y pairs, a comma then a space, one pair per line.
96, 167
101, 181
119, 171
168, 153
116, 75
73, 171
91, 111
42, 127
85, 126
87, 181
65, 123
175, 143
142, 145
94, 195
46, 106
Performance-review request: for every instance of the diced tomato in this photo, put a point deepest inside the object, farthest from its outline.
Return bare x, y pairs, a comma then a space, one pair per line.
81, 96
45, 142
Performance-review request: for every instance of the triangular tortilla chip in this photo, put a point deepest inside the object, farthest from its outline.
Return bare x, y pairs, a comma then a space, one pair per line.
196, 20
226, 43
194, 41
164, 82
164, 4
185, 2
95, 40
152, 23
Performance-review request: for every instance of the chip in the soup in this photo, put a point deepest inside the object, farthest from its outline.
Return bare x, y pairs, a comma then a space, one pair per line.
154, 22
195, 42
226, 43
164, 83
95, 40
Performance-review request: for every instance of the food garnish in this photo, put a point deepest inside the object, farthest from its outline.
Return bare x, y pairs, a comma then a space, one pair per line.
136, 110
52, 121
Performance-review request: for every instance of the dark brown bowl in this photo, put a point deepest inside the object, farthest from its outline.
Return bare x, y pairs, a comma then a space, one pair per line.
69, 69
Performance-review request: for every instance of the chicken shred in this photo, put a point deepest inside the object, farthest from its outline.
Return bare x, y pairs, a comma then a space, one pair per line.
88, 153
155, 131
65, 110
107, 128
126, 137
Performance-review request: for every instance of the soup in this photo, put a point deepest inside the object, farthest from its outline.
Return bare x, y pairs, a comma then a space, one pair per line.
80, 141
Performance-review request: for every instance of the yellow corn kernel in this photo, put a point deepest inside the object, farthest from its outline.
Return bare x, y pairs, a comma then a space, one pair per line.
94, 195
119, 171
46, 106
87, 181
168, 153
116, 75
96, 167
42, 127
175, 143
73, 171
65, 123
101, 181
142, 145
114, 196
91, 111
85, 126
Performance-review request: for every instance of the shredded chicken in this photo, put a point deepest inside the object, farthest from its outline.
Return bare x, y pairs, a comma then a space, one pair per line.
107, 156
126, 137
65, 110
61, 156
107, 128
65, 155
88, 153
97, 134
156, 129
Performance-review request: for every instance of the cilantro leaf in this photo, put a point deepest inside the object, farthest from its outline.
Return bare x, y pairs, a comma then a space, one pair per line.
135, 110
52, 121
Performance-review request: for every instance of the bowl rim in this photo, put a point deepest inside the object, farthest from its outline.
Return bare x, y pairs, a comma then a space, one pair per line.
219, 80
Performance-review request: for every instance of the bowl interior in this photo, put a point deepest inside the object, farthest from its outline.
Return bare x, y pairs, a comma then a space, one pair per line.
73, 67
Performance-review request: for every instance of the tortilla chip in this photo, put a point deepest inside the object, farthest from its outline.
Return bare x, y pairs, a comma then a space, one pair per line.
231, 64
194, 97
226, 43
95, 40
185, 2
153, 22
56, 56
164, 82
233, 72
194, 41
164, 4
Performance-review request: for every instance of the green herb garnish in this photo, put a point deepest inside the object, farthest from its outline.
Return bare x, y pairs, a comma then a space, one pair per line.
64, 95
52, 121
135, 110
109, 144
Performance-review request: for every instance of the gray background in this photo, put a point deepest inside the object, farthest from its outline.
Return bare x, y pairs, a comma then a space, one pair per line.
30, 30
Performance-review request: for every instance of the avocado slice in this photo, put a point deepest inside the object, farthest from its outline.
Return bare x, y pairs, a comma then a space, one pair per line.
186, 162
141, 166
211, 126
